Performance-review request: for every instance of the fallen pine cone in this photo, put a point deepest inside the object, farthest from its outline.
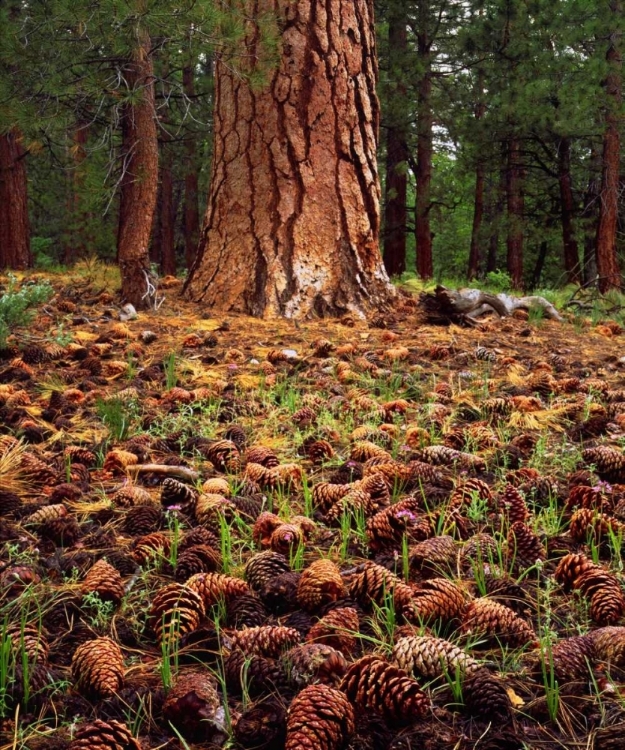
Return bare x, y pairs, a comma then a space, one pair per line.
194, 706
320, 718
104, 735
98, 667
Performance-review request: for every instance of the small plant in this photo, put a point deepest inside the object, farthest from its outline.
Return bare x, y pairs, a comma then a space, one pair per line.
173, 522
117, 414
536, 316
101, 612
477, 508
16, 305
171, 379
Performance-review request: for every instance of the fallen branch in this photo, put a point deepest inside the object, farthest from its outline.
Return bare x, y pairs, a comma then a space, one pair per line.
465, 305
178, 472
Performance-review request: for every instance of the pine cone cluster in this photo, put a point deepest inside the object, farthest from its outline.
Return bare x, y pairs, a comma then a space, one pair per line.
600, 587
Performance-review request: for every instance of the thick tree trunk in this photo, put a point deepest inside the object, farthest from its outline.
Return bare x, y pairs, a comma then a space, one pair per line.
425, 126
607, 262
14, 224
191, 211
395, 211
567, 209
515, 214
292, 224
139, 183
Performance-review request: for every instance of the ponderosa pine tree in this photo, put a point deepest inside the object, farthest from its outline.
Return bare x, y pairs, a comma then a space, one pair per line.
293, 219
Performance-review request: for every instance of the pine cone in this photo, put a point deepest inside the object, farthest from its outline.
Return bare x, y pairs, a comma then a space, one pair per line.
193, 705
175, 493
98, 667
354, 504
175, 611
263, 567
254, 674
325, 495
609, 463
104, 735
143, 520
131, 495
104, 580
479, 550
267, 640
315, 661
29, 640
199, 535
437, 599
570, 658
468, 490
609, 645
224, 455
435, 555
265, 525
374, 685
570, 568
215, 586
319, 450
426, 656
146, 548
261, 727
523, 546
280, 593
388, 527
377, 490
64, 532
512, 505
198, 559
375, 584
320, 718
320, 584
588, 523
582, 496
47, 513
286, 538
246, 611
607, 604
263, 456
337, 629
210, 509
485, 617
486, 698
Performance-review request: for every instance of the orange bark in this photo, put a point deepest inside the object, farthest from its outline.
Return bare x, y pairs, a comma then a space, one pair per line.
14, 224
293, 218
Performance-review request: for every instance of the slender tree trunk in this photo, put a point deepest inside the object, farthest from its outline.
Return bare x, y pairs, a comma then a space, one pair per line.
191, 211
478, 200
14, 224
167, 214
139, 184
425, 126
395, 211
496, 206
591, 216
75, 245
292, 224
539, 265
567, 208
515, 206
607, 261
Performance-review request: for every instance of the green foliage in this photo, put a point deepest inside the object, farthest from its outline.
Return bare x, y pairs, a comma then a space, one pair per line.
118, 415
17, 303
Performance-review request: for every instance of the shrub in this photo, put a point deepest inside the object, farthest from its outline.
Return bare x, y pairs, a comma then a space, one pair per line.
16, 304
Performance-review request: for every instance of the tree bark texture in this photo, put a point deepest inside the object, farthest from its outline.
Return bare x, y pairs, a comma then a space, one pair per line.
478, 200
191, 211
567, 210
425, 126
167, 215
139, 183
14, 223
590, 215
515, 204
395, 210
292, 223
607, 262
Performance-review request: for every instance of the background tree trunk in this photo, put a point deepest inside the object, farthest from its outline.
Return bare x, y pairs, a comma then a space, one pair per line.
515, 215
292, 223
567, 209
425, 125
478, 200
139, 184
191, 211
75, 244
607, 262
14, 225
167, 214
395, 210
591, 216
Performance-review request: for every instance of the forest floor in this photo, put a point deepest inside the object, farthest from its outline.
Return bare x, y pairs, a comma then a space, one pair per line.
443, 483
